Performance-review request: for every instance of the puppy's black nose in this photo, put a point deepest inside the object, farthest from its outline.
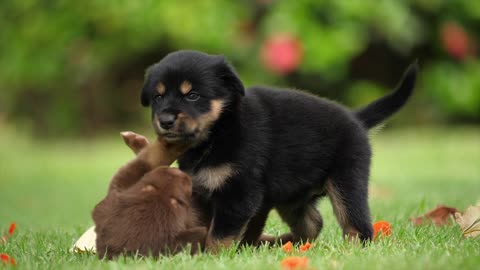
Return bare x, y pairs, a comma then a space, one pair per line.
167, 120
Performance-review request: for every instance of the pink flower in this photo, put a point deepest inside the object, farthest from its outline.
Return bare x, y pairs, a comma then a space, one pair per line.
282, 53
456, 40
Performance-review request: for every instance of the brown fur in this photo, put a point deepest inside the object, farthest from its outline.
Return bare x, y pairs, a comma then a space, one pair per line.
148, 207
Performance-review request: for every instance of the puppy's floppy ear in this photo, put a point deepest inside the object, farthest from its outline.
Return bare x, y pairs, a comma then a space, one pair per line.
228, 74
145, 99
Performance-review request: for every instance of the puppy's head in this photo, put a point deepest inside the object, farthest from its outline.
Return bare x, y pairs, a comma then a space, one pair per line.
188, 91
146, 217
168, 187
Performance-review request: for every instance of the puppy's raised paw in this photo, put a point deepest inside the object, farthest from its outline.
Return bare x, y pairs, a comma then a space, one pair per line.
135, 141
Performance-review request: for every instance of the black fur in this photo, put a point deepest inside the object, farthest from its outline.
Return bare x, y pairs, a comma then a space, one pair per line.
376, 112
287, 148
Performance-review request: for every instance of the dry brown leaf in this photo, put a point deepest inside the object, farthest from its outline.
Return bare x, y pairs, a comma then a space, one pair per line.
442, 215
469, 221
86, 242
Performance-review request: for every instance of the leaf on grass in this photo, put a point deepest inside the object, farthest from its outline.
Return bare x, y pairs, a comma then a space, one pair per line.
469, 221
12, 228
86, 242
304, 248
442, 215
382, 228
294, 263
7, 259
288, 247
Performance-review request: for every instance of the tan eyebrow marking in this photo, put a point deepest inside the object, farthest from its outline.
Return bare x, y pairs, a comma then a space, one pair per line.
161, 88
185, 87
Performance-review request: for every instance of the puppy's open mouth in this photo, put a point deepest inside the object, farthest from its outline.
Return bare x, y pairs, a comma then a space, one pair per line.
176, 134
173, 136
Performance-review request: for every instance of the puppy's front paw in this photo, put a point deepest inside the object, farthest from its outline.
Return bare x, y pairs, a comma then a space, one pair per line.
215, 246
135, 141
270, 240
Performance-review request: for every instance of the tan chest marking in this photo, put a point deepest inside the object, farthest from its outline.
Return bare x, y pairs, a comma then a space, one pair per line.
213, 178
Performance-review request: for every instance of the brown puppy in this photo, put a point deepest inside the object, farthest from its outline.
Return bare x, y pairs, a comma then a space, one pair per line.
148, 208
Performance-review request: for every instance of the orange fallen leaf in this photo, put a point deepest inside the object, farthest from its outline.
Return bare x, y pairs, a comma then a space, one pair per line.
294, 263
288, 247
382, 228
438, 216
469, 221
12, 228
304, 248
7, 259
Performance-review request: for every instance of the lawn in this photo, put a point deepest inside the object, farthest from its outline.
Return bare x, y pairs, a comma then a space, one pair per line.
50, 187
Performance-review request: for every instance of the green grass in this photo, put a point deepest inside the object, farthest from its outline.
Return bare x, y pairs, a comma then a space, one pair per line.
49, 189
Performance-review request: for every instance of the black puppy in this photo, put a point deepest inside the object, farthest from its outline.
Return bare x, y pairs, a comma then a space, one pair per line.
266, 148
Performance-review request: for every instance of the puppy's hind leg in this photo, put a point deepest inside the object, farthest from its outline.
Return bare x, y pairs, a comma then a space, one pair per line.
348, 192
305, 222
253, 235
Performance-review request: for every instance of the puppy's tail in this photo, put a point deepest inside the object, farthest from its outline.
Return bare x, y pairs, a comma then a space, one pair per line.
379, 110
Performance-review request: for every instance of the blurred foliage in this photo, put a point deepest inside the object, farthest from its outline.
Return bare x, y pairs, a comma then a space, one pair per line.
455, 89
74, 67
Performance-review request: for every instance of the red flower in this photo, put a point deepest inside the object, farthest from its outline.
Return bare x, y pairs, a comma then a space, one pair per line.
7, 259
305, 247
12, 228
294, 263
282, 53
381, 227
288, 247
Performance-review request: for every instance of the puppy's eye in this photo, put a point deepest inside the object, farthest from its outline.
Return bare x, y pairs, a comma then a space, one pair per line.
158, 98
182, 203
192, 96
178, 202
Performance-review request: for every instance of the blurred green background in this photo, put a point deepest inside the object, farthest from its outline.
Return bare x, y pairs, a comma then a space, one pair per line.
75, 68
